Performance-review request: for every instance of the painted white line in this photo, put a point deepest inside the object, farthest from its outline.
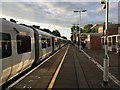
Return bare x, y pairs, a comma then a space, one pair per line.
32, 70
50, 86
113, 78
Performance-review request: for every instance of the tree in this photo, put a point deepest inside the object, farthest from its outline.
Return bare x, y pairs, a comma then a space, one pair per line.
64, 37
56, 33
87, 28
14, 21
94, 30
46, 30
35, 26
74, 29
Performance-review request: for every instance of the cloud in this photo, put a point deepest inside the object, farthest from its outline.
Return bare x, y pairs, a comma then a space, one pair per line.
59, 14
56, 0
53, 12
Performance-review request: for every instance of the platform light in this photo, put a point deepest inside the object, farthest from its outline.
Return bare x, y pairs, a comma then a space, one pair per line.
105, 83
79, 38
103, 4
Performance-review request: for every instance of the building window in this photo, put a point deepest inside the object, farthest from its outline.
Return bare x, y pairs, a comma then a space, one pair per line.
43, 41
48, 42
23, 44
109, 41
114, 40
5, 45
118, 42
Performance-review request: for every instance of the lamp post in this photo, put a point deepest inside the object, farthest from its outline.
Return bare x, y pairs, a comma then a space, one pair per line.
106, 58
79, 36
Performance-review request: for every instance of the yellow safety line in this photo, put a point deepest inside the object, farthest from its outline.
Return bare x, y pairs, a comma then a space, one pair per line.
57, 71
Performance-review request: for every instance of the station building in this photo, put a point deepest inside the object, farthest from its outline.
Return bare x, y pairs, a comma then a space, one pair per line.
113, 36
93, 40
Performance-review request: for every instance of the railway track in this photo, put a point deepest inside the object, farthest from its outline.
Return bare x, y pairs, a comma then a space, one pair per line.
27, 72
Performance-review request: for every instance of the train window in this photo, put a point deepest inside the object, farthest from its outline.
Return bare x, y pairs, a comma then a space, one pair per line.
43, 40
23, 44
57, 42
48, 42
5, 45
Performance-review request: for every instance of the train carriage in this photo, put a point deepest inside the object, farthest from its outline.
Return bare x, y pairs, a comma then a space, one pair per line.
44, 44
23, 46
17, 46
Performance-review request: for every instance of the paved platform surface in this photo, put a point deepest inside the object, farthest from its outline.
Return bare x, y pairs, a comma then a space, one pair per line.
77, 72
114, 60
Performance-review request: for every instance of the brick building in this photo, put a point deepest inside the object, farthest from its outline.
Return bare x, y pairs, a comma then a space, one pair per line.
93, 40
112, 28
113, 36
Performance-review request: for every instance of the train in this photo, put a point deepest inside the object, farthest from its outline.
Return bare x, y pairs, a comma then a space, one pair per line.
23, 46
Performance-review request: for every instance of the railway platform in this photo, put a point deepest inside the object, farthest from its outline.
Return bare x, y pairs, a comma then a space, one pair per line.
69, 68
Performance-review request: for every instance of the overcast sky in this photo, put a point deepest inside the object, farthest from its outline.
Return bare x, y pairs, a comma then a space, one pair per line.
57, 14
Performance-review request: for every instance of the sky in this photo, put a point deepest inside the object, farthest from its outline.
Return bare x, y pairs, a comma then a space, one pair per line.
58, 14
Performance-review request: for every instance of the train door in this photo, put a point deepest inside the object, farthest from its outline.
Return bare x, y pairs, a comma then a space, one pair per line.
6, 56
49, 45
40, 47
37, 45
